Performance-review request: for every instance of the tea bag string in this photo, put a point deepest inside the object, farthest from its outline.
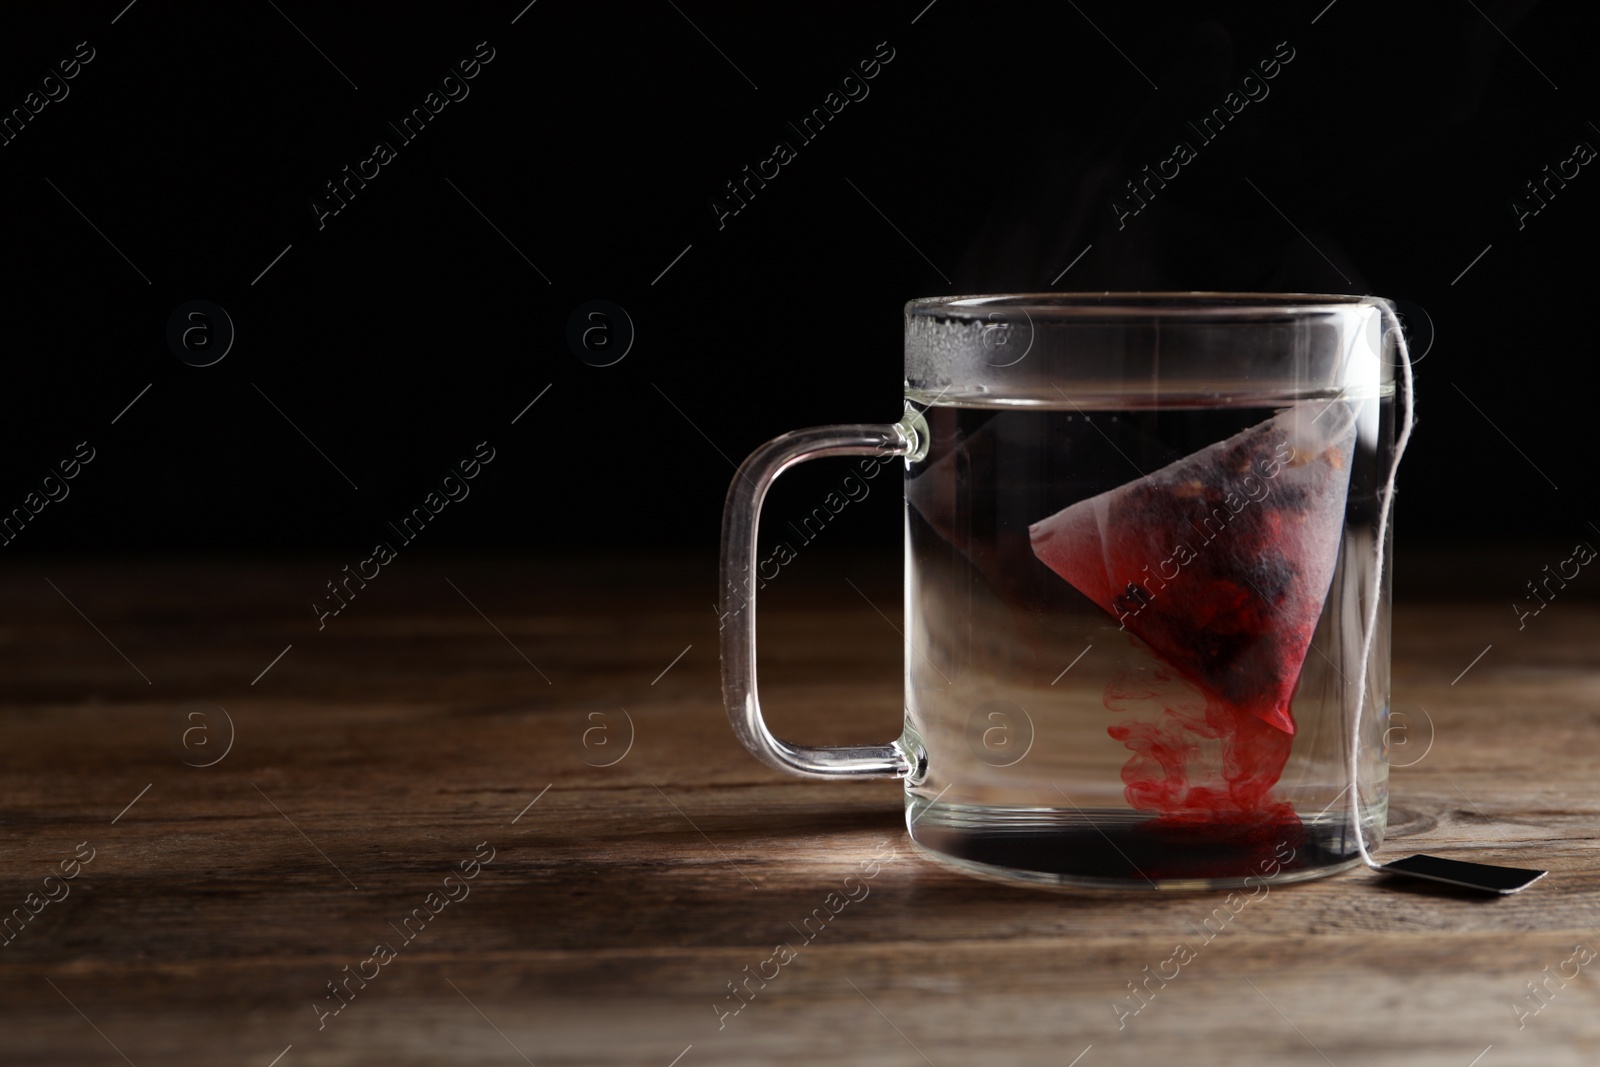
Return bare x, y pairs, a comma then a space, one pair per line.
1371, 629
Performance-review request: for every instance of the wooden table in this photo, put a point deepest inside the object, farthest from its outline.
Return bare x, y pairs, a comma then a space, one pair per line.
451, 709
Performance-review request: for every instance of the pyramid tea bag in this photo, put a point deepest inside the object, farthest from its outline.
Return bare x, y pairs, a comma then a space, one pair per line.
1220, 563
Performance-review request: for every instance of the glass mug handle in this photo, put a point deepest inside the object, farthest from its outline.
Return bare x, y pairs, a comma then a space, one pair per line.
741, 519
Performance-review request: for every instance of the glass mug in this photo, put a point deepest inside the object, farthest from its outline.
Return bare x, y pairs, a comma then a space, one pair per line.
1145, 603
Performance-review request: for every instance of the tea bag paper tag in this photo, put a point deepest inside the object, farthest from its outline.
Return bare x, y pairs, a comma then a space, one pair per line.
1484, 877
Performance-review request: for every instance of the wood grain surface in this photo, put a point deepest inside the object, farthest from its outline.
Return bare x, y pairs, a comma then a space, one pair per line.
450, 712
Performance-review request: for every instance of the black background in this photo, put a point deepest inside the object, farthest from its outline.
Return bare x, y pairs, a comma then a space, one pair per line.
407, 329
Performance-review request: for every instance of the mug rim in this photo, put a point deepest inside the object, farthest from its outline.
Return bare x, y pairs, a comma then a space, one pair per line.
1190, 303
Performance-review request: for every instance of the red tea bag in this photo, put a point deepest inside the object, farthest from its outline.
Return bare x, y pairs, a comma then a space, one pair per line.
1220, 563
